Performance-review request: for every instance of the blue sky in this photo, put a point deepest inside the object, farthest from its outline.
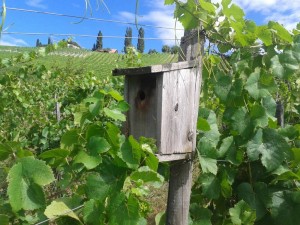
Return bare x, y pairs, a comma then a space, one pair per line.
150, 12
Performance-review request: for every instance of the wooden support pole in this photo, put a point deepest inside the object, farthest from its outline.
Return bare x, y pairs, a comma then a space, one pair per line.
181, 171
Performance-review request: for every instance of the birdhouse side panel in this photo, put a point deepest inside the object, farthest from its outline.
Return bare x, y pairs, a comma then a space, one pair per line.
178, 109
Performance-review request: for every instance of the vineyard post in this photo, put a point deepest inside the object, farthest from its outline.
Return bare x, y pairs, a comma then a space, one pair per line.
181, 171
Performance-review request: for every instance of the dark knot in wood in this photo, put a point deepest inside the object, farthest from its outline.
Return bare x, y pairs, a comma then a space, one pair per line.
190, 136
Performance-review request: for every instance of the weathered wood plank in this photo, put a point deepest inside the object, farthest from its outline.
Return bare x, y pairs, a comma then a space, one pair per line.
174, 157
153, 70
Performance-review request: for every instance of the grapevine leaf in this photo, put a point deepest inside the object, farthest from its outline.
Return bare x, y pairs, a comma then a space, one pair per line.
59, 208
270, 145
222, 87
24, 184
259, 84
246, 193
243, 128
203, 125
227, 143
114, 114
206, 148
258, 116
211, 186
147, 176
92, 212
213, 134
54, 157
4, 220
113, 133
90, 162
209, 7
232, 11
130, 153
200, 215
98, 187
226, 188
5, 151
208, 165
169, 2
284, 64
70, 139
116, 95
98, 145
242, 214
270, 105
265, 35
123, 106
126, 213
280, 31
184, 15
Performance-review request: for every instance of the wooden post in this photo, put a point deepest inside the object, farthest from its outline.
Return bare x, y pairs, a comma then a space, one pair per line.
181, 171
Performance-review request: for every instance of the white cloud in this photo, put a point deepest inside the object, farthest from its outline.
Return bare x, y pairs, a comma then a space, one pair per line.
285, 12
36, 4
161, 16
8, 40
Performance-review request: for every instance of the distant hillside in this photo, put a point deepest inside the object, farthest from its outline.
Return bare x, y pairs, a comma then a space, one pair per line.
101, 63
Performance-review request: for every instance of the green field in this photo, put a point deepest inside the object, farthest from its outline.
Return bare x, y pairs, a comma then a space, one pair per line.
100, 63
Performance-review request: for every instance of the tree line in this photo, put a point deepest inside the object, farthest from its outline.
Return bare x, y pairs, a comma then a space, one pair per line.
98, 46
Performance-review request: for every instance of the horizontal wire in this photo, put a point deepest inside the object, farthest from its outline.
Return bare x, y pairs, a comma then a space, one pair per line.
89, 18
82, 35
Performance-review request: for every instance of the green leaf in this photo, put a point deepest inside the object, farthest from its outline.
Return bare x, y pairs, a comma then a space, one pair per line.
114, 114
222, 87
246, 193
92, 212
280, 31
259, 84
160, 218
4, 220
233, 12
244, 128
131, 153
90, 162
270, 105
200, 215
169, 2
70, 139
265, 35
211, 186
123, 106
147, 176
225, 146
259, 116
242, 214
202, 124
98, 187
270, 145
284, 65
182, 12
24, 184
55, 156
57, 209
5, 151
209, 7
208, 165
98, 145
116, 95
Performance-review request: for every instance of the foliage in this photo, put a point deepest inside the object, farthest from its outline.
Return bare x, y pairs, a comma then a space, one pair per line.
128, 39
99, 42
175, 49
152, 51
166, 49
132, 58
141, 41
80, 169
249, 165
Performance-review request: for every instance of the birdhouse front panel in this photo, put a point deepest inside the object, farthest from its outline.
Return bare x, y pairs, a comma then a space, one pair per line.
164, 102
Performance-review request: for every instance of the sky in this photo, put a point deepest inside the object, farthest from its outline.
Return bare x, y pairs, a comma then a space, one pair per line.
152, 13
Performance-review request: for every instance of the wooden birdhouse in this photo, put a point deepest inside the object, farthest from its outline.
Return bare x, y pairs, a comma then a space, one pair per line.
164, 102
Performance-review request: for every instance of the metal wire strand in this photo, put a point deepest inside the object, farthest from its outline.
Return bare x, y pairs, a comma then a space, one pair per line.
88, 18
